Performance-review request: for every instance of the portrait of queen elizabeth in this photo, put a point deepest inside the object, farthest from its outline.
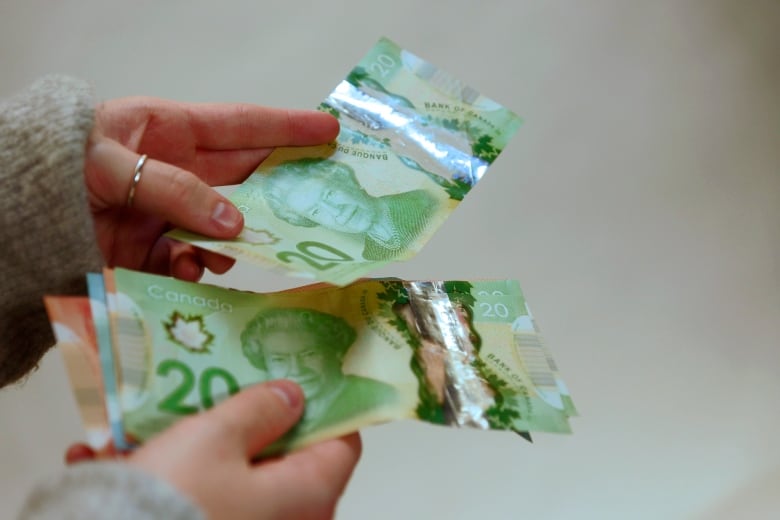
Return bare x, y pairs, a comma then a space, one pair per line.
322, 192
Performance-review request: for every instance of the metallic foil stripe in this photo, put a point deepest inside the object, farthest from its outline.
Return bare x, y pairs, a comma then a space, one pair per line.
467, 394
441, 151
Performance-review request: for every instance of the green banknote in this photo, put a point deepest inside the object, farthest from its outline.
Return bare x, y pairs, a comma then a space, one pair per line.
370, 352
414, 140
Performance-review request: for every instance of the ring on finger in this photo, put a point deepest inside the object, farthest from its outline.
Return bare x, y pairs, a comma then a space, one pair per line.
136, 179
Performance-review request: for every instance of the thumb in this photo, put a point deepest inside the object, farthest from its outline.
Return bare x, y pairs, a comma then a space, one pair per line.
259, 415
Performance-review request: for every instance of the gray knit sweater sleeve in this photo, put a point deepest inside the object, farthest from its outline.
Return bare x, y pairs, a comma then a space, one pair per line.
46, 230
107, 490
48, 245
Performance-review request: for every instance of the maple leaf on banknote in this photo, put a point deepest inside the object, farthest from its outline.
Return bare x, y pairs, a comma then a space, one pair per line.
189, 332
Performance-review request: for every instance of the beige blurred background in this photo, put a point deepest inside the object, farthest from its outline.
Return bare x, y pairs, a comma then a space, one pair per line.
639, 206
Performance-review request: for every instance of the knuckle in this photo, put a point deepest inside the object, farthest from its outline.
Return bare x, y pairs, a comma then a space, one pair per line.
180, 184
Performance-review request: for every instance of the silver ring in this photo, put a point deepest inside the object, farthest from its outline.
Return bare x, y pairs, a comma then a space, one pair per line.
136, 179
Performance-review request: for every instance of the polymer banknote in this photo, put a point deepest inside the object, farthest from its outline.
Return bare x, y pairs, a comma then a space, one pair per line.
414, 141
452, 353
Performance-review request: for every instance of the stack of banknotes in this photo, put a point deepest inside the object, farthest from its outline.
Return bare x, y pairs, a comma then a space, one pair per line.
143, 351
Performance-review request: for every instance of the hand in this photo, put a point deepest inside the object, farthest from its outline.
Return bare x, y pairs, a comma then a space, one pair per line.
190, 147
208, 458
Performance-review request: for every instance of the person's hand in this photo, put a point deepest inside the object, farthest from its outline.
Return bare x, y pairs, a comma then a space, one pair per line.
208, 457
190, 147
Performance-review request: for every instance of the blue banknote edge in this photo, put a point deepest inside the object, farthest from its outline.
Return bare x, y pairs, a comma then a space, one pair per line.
99, 307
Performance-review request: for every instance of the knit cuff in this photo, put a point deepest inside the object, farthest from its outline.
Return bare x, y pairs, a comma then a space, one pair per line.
45, 224
107, 490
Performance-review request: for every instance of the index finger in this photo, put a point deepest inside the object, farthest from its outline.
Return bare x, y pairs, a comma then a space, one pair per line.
230, 126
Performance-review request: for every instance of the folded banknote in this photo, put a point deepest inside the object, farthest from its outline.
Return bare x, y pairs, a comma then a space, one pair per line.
414, 140
453, 353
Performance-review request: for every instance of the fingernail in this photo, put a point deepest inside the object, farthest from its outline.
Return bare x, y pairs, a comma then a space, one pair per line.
225, 215
289, 393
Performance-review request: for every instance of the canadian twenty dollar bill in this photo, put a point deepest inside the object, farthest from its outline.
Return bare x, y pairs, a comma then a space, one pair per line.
454, 353
414, 140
